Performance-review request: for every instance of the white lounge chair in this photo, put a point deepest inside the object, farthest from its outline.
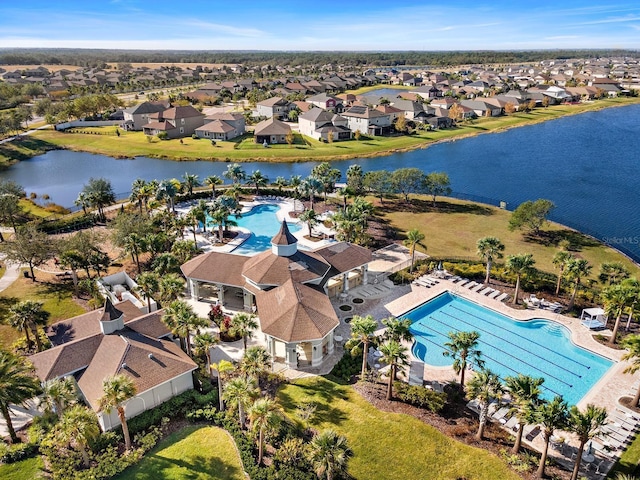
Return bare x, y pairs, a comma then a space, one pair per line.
503, 298
495, 294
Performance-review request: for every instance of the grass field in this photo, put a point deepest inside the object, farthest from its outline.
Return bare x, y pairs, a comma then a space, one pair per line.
454, 226
29, 469
390, 446
196, 453
130, 144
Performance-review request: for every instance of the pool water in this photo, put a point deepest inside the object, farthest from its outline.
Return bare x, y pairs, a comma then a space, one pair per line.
263, 223
538, 347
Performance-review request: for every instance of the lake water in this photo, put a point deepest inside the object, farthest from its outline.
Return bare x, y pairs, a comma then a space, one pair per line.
588, 165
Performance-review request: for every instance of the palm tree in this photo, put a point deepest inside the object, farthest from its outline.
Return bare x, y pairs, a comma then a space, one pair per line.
634, 291
202, 345
398, 330
632, 344
116, 390
180, 318
171, 287
82, 201
295, 182
17, 385
58, 394
280, 182
414, 238
235, 173
255, 361
135, 244
550, 416
191, 181
394, 354
585, 425
241, 390
560, 260
489, 249
576, 270
311, 185
212, 181
485, 386
524, 391
265, 413
167, 191
148, 285
330, 454
310, 217
243, 324
257, 179
362, 334
201, 212
613, 272
166, 262
138, 192
617, 298
79, 427
28, 316
521, 264
463, 348
222, 367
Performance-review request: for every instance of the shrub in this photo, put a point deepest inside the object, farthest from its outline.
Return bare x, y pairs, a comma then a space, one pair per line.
17, 451
194, 136
163, 136
420, 397
346, 368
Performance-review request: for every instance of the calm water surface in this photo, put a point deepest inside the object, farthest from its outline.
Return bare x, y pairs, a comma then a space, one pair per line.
588, 165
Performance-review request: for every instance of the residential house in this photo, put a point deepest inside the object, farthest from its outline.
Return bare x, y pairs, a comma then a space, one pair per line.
222, 126
116, 340
137, 116
276, 107
177, 122
413, 111
319, 124
271, 131
326, 102
289, 289
481, 108
367, 120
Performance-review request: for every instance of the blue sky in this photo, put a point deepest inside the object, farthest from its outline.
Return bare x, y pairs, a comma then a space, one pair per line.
325, 25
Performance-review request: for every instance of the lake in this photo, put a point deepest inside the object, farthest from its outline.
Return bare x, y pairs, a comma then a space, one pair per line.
587, 164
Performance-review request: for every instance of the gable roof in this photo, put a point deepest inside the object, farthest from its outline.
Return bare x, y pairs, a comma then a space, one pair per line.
344, 256
317, 115
145, 107
271, 126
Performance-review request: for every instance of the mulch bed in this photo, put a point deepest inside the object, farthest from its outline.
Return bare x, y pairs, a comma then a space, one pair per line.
455, 421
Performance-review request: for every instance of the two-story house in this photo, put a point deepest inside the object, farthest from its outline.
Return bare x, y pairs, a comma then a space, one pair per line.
322, 124
137, 116
276, 107
367, 120
222, 126
176, 121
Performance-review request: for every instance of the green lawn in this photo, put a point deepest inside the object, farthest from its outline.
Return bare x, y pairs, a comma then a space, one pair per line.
29, 469
131, 144
390, 446
454, 227
196, 453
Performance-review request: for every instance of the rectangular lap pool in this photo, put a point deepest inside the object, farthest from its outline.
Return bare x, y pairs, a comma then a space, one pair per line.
540, 348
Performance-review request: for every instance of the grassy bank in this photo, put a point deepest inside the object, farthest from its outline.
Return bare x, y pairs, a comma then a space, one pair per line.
131, 144
453, 227
390, 445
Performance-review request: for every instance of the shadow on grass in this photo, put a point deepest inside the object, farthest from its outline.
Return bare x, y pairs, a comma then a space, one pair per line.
577, 241
156, 466
416, 205
5, 304
25, 148
323, 393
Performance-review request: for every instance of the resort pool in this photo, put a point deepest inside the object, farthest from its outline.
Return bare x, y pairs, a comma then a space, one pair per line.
263, 223
540, 348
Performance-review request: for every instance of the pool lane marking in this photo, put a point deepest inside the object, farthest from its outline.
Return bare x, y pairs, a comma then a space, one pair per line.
521, 336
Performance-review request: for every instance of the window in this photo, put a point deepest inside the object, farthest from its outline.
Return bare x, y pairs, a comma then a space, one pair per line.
181, 129
182, 121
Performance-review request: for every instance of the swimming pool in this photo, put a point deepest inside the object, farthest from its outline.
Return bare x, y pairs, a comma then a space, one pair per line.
538, 347
263, 223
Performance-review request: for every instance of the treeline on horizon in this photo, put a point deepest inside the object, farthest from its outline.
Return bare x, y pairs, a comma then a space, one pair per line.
98, 57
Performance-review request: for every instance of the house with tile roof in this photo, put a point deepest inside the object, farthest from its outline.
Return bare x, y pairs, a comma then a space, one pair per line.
177, 122
288, 288
111, 341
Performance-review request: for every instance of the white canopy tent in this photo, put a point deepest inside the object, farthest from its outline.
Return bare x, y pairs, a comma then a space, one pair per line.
594, 318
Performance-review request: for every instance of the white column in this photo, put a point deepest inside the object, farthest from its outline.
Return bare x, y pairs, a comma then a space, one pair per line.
365, 274
221, 294
316, 353
330, 342
193, 288
291, 357
345, 282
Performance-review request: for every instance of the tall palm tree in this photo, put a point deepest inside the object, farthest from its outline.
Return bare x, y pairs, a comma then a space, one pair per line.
26, 317
243, 324
484, 386
79, 427
398, 330
330, 454
295, 182
58, 394
166, 262
524, 391
17, 385
362, 334
223, 367
576, 270
255, 360
82, 201
202, 345
257, 179
213, 181
135, 244
521, 264
633, 285
394, 354
310, 217
116, 390
463, 348
242, 391
171, 287
311, 185
167, 191
191, 181
148, 285
180, 318
560, 260
489, 250
613, 272
632, 344
550, 416
414, 238
200, 212
280, 183
138, 192
585, 425
265, 413
235, 173
617, 298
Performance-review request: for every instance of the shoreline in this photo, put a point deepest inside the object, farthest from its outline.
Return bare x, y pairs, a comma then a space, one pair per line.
425, 143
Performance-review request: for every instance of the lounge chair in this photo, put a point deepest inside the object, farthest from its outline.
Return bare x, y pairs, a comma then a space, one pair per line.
495, 294
503, 298
593, 324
